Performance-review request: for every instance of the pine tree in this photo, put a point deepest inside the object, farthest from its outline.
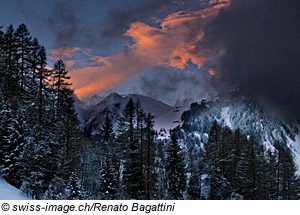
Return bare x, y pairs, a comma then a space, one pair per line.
236, 153
140, 118
61, 84
23, 45
257, 171
74, 191
212, 157
287, 181
227, 147
42, 75
107, 129
2, 59
10, 82
108, 187
56, 190
132, 175
150, 164
194, 185
12, 133
35, 47
271, 172
38, 166
67, 132
175, 169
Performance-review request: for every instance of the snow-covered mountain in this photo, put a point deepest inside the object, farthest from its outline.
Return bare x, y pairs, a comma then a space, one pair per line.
241, 112
92, 116
193, 121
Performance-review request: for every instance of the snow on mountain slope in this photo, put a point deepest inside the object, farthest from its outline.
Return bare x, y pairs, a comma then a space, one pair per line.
225, 115
8, 192
81, 108
150, 105
297, 151
170, 119
243, 113
294, 145
93, 117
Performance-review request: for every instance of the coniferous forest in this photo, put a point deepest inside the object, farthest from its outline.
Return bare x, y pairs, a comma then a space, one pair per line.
45, 153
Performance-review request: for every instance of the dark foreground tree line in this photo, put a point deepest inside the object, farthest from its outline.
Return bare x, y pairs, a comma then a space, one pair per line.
46, 154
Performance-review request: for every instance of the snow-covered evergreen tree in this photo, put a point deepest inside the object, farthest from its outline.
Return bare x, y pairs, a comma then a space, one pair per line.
56, 189
13, 141
175, 169
74, 190
108, 186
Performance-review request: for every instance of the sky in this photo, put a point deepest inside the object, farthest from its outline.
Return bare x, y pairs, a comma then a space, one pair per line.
146, 47
176, 51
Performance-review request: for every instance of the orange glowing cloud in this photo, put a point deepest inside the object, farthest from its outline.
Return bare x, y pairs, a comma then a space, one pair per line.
70, 63
67, 52
173, 44
212, 71
114, 70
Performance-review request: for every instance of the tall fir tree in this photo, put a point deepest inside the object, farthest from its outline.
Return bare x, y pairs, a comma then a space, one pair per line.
132, 175
194, 184
150, 161
74, 189
13, 141
108, 186
107, 129
56, 189
61, 84
175, 169
23, 52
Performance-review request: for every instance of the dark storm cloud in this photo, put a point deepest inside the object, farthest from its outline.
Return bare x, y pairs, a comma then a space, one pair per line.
82, 23
261, 44
62, 18
66, 25
178, 87
119, 18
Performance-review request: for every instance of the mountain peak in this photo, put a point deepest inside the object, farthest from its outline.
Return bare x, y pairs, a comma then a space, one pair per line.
113, 106
113, 95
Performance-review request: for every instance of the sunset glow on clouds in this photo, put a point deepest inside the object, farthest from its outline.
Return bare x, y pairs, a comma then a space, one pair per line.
212, 71
173, 44
67, 52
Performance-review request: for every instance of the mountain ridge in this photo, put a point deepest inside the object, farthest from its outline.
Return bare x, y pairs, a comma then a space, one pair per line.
193, 121
92, 117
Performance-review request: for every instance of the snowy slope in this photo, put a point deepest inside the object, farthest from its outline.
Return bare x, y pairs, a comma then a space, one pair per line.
150, 105
294, 145
170, 119
8, 192
243, 113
